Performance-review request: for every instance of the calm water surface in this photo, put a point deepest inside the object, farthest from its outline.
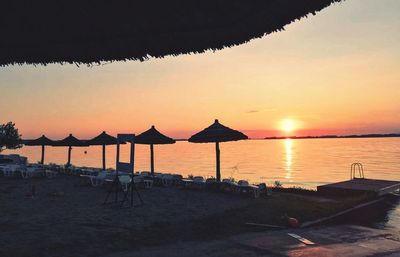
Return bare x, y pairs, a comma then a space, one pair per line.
306, 163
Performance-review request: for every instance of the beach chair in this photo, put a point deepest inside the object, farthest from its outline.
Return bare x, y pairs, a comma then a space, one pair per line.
125, 181
148, 183
99, 179
177, 180
30, 172
167, 180
12, 170
267, 191
242, 187
212, 184
51, 173
199, 182
228, 185
145, 173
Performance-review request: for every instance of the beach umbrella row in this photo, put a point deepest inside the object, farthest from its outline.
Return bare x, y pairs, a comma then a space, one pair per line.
71, 141
215, 133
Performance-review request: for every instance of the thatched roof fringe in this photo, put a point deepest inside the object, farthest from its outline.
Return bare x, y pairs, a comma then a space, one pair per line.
72, 32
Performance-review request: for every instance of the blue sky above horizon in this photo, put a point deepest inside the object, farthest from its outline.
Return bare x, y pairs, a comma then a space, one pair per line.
332, 73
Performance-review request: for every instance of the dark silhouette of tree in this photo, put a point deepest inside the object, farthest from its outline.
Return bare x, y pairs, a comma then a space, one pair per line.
9, 137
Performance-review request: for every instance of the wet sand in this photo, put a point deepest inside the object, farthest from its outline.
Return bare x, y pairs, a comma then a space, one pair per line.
67, 217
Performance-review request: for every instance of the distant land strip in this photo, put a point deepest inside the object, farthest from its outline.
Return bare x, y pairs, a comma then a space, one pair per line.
324, 136
336, 136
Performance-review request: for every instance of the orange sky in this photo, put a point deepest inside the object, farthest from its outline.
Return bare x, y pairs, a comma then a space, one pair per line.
333, 73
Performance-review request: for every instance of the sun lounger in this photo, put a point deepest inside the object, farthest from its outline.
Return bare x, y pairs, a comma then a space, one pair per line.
187, 183
177, 180
148, 183
51, 173
145, 173
30, 172
228, 185
245, 188
167, 180
99, 179
125, 180
212, 184
199, 182
12, 170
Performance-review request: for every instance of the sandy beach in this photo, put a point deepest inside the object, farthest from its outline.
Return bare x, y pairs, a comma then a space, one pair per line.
67, 217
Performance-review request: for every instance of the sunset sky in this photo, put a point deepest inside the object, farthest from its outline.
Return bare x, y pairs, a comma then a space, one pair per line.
334, 73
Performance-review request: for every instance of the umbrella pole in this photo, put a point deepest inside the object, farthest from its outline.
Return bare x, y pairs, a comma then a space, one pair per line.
69, 156
42, 160
218, 161
104, 157
152, 159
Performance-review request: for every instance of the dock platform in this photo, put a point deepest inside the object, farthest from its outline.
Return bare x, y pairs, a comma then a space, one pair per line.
360, 185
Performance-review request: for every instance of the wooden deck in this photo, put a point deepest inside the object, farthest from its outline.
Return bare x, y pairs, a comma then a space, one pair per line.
360, 185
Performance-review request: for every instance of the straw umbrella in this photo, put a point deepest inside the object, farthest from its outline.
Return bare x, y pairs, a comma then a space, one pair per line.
103, 139
153, 137
41, 141
70, 141
217, 133
137, 30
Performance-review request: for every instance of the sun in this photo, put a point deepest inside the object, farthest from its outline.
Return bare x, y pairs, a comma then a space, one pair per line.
288, 125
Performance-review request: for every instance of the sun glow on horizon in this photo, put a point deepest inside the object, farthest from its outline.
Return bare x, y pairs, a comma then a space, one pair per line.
288, 125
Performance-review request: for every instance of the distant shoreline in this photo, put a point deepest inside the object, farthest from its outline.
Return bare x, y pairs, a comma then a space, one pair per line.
336, 136
322, 137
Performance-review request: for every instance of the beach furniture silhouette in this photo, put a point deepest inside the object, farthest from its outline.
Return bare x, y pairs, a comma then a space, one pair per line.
125, 170
99, 179
217, 133
29, 172
153, 137
70, 141
103, 139
41, 141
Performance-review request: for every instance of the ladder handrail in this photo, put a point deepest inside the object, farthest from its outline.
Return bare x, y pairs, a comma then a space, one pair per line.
353, 168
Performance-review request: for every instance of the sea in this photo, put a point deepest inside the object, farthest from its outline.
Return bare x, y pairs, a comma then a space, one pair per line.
303, 163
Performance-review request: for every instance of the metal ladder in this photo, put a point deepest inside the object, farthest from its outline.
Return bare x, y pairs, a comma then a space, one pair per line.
354, 168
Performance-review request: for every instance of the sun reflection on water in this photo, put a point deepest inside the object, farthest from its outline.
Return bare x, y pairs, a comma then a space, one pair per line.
288, 163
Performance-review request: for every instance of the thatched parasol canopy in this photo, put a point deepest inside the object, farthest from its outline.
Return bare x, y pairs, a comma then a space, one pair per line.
73, 31
41, 141
153, 137
70, 141
217, 133
103, 139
